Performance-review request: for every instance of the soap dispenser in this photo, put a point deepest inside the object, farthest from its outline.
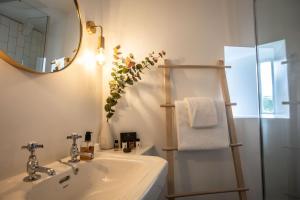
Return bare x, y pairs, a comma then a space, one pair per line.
87, 147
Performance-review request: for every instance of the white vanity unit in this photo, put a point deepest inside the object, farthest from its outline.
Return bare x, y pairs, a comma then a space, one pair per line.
109, 176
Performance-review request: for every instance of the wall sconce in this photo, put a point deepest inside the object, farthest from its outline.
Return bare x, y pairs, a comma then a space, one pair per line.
91, 28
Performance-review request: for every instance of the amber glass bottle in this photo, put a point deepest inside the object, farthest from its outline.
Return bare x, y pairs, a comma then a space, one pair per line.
87, 147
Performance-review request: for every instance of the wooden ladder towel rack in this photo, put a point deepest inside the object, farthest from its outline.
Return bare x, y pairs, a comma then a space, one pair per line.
170, 148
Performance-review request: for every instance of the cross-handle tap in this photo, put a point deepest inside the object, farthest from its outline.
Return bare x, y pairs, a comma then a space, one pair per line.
33, 164
74, 152
32, 146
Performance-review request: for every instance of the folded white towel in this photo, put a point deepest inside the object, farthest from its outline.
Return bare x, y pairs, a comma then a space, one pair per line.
200, 139
202, 112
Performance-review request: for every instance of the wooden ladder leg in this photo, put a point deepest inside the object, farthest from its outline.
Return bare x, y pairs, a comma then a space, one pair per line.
233, 136
171, 186
169, 132
170, 154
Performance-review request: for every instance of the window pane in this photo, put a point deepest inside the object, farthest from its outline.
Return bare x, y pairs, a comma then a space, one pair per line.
267, 102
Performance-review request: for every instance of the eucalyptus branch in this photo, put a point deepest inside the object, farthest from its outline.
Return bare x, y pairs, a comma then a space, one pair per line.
126, 72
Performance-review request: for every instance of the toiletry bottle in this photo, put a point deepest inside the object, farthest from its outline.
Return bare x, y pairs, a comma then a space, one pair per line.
87, 147
124, 145
138, 143
116, 145
131, 144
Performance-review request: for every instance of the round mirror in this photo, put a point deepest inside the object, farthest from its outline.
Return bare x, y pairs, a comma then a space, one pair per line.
41, 36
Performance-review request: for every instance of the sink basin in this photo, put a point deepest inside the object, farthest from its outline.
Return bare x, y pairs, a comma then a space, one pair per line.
106, 177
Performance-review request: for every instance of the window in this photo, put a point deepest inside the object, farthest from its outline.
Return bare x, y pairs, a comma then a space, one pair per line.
270, 76
273, 80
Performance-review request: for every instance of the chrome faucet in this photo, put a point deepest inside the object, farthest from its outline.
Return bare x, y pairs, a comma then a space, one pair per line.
74, 152
33, 164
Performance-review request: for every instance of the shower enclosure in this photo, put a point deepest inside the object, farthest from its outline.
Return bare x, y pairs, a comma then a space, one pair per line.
278, 72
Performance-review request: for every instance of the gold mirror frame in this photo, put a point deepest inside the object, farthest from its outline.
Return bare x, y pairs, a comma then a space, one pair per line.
12, 62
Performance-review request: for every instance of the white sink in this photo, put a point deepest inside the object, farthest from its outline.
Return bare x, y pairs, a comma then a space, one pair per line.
107, 177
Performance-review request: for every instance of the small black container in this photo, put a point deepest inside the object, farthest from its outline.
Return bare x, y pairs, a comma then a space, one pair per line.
128, 137
127, 150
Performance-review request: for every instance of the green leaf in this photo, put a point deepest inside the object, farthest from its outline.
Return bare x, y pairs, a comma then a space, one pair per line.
107, 107
129, 81
109, 100
109, 115
122, 77
122, 86
125, 70
139, 66
120, 82
135, 79
138, 75
114, 103
121, 91
116, 95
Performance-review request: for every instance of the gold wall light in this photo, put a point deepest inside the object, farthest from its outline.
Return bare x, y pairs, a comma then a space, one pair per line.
91, 28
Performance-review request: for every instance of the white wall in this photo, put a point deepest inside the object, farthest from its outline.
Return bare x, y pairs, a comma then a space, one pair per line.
191, 32
242, 80
47, 108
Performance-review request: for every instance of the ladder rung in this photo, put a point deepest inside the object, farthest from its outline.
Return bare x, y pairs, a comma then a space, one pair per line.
173, 106
176, 149
206, 193
170, 149
290, 102
167, 105
236, 145
193, 66
231, 104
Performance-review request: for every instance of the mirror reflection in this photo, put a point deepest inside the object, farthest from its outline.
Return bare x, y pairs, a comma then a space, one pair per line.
34, 33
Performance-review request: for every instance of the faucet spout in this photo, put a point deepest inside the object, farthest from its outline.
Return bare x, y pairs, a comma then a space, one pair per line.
75, 169
49, 171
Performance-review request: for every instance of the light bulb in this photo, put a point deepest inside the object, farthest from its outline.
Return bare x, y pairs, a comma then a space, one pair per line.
100, 57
